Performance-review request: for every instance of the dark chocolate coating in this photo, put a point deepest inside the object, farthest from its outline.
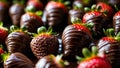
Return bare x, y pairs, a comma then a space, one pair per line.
57, 18
31, 22
18, 60
43, 45
46, 62
74, 41
76, 13
18, 42
100, 22
16, 11
112, 51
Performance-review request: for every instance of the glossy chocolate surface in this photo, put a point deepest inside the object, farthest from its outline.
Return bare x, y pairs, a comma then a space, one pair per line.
73, 41
31, 22
57, 18
112, 51
18, 42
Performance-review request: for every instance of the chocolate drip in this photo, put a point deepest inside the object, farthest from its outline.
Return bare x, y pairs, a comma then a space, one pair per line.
42, 46
73, 42
57, 18
18, 42
16, 11
46, 62
112, 51
31, 22
18, 60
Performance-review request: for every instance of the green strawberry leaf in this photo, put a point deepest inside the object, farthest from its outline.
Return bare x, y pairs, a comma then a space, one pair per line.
41, 29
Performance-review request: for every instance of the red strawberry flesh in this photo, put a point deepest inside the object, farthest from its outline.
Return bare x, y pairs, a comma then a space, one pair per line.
3, 34
91, 15
110, 39
105, 7
82, 28
94, 62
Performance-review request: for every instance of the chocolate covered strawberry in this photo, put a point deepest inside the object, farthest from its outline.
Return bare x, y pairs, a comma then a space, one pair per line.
92, 59
16, 11
75, 37
4, 16
3, 33
51, 61
104, 7
99, 20
55, 15
113, 3
116, 22
31, 21
35, 4
16, 60
110, 46
18, 41
44, 43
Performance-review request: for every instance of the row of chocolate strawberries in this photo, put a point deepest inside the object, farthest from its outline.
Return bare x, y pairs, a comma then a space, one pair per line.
42, 44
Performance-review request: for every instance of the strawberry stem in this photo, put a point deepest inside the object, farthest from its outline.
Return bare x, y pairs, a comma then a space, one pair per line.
30, 9
49, 30
86, 9
109, 32
116, 7
59, 60
13, 28
39, 13
23, 28
94, 51
75, 20
79, 6
86, 53
79, 58
4, 56
41, 29
66, 3
117, 37
93, 7
1, 23
98, 8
